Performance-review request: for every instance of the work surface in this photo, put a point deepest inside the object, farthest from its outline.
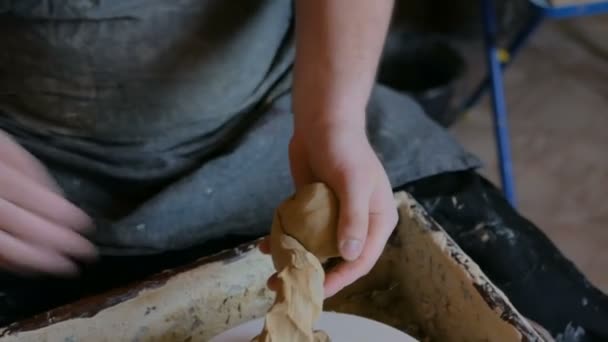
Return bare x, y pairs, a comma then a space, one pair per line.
424, 284
503, 243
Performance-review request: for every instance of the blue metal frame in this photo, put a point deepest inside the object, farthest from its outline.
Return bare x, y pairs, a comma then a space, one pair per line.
494, 81
569, 11
514, 47
501, 129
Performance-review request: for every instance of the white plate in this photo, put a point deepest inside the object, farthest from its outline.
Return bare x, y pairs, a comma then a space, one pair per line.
340, 328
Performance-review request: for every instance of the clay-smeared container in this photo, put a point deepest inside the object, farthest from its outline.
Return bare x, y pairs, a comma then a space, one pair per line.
423, 285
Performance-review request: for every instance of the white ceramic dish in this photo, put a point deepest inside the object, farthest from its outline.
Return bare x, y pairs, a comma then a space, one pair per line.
340, 328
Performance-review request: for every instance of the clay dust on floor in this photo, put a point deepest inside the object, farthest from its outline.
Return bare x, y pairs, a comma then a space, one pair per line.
557, 95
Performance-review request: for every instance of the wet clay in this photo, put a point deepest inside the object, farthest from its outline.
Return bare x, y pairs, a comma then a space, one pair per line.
303, 235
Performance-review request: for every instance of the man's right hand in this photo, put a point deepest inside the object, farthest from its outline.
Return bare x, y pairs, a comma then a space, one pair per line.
40, 231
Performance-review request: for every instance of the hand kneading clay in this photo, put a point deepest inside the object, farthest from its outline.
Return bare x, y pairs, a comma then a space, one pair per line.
311, 217
303, 235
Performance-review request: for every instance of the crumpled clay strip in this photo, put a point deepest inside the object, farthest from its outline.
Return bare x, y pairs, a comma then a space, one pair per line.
303, 235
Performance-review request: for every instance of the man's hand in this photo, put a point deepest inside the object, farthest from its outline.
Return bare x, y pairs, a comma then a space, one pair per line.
342, 158
338, 45
40, 231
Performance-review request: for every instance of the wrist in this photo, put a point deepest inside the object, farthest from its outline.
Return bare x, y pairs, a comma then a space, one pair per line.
316, 136
326, 122
327, 128
327, 107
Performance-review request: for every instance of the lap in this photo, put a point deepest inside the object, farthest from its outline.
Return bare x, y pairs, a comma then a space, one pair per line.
235, 192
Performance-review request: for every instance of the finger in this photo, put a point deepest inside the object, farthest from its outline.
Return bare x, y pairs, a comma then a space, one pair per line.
7, 266
26, 194
273, 282
264, 245
354, 200
21, 272
346, 273
16, 254
18, 158
34, 229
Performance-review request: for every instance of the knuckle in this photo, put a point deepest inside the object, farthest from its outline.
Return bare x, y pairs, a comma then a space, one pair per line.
353, 221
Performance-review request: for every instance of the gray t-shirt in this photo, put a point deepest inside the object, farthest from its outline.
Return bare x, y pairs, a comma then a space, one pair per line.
138, 88
168, 121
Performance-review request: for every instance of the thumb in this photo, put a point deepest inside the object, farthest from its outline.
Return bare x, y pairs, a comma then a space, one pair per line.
353, 218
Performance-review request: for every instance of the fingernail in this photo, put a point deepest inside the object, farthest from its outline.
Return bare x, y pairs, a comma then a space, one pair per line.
350, 249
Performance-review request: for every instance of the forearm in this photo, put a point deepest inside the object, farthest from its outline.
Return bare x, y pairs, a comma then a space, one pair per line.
338, 46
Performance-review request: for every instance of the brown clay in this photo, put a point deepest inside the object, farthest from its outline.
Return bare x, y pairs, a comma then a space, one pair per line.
303, 236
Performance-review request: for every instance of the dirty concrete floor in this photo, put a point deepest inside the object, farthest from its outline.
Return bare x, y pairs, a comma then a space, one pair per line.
557, 93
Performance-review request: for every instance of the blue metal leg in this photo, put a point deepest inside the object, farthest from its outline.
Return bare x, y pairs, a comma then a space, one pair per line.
539, 12
499, 107
513, 48
496, 67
